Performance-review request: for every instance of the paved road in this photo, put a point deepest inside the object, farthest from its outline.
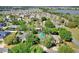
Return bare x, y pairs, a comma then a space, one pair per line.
75, 41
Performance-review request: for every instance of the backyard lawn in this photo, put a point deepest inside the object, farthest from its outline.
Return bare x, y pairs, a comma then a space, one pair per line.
75, 34
72, 45
74, 31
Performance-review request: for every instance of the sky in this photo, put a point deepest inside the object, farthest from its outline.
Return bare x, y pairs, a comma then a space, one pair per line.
39, 2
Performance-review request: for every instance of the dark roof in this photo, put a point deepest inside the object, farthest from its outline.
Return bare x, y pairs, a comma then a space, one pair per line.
2, 25
3, 50
3, 34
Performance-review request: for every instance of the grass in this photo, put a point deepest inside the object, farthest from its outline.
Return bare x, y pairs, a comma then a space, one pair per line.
74, 32
72, 45
0, 42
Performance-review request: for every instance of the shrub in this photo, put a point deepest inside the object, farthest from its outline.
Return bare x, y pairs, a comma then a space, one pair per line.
34, 38
44, 18
34, 31
35, 19
48, 41
36, 49
16, 41
65, 49
15, 22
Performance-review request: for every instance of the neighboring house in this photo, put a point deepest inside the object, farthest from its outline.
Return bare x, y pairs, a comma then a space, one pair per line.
19, 19
31, 16
7, 19
3, 50
13, 27
2, 25
3, 34
57, 24
22, 36
56, 38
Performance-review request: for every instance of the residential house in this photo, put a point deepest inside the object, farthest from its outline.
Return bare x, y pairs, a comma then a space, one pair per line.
3, 34
3, 50
2, 25
22, 36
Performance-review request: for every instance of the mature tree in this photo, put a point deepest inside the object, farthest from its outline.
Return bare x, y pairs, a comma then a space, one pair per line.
54, 31
22, 25
64, 34
46, 30
49, 24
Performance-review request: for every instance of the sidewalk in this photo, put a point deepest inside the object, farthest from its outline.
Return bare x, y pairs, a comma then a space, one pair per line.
50, 50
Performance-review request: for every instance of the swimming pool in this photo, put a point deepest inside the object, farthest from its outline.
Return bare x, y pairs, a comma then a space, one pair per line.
41, 35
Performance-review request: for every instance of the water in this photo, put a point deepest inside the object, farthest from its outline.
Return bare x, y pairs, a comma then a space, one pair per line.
68, 11
41, 35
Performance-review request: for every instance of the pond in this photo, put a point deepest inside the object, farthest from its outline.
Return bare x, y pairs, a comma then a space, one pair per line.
69, 11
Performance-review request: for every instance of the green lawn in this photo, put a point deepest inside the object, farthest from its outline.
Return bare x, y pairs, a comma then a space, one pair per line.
0, 42
74, 32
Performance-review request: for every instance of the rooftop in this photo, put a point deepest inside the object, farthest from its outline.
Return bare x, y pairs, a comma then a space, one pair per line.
3, 34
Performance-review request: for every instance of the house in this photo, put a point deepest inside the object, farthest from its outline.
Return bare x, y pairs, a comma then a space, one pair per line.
22, 36
56, 38
3, 34
13, 27
7, 19
2, 25
3, 50
57, 23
